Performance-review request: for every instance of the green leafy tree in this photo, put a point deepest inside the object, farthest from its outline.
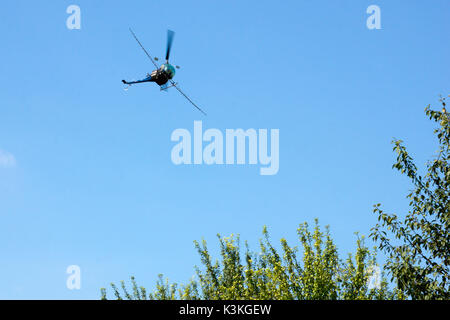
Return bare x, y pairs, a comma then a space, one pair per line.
418, 246
274, 274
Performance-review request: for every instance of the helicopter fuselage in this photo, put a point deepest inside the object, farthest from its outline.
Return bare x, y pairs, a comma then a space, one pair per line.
161, 76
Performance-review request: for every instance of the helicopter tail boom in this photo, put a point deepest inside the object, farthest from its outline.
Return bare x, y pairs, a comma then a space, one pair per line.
134, 82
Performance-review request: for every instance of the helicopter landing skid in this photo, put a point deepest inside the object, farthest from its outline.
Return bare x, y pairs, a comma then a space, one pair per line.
172, 85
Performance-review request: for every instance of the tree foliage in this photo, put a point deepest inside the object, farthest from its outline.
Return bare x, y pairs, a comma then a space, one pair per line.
417, 249
418, 246
274, 274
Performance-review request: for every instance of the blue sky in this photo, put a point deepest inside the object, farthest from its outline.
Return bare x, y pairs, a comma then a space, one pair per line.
87, 179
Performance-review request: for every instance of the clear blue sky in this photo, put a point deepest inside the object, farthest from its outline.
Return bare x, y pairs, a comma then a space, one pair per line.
89, 180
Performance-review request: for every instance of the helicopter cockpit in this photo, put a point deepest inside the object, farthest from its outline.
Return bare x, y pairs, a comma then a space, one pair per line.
168, 69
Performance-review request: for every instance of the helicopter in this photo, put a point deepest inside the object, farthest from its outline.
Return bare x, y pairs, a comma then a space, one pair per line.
163, 74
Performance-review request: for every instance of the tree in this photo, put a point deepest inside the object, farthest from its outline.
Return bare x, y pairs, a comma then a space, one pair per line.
270, 274
419, 251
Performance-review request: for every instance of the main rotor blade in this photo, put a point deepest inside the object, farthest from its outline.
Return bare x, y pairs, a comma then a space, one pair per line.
176, 87
148, 55
170, 35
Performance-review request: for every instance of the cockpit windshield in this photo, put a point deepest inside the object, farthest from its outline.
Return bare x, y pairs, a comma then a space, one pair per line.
169, 70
